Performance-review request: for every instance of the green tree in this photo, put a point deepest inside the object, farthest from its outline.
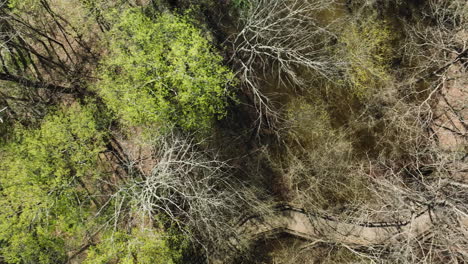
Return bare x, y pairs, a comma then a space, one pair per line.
44, 199
163, 72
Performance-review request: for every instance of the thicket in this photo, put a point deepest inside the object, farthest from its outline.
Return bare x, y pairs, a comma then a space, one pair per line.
369, 53
145, 131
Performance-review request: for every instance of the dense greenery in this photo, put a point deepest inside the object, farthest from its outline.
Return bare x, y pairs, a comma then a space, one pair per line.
162, 72
146, 246
45, 204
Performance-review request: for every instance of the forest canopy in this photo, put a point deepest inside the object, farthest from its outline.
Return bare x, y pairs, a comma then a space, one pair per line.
233, 131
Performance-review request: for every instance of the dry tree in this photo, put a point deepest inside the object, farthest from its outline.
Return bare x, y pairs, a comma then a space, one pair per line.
425, 180
192, 190
437, 39
403, 197
417, 175
282, 40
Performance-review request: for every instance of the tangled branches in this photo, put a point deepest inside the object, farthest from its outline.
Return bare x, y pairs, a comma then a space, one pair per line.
438, 39
282, 40
194, 191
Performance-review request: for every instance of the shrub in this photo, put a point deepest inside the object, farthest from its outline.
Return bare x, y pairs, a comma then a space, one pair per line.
319, 162
368, 50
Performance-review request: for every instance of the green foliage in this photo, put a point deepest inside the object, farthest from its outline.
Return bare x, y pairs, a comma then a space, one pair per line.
42, 201
368, 49
163, 73
142, 246
105, 12
13, 4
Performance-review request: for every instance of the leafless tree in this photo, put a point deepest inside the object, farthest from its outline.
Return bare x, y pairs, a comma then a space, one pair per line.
425, 178
43, 49
402, 196
282, 40
192, 189
437, 39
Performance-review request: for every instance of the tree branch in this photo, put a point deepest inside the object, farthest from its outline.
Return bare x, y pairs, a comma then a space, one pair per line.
36, 84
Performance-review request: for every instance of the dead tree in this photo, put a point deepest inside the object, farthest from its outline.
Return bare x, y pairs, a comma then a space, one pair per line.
192, 190
282, 40
437, 39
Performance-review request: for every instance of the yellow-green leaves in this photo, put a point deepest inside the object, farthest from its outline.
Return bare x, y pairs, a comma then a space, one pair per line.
163, 72
22, 3
42, 199
368, 50
140, 246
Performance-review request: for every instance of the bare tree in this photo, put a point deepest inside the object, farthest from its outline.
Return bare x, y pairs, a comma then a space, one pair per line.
437, 39
423, 177
192, 189
282, 40
43, 49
